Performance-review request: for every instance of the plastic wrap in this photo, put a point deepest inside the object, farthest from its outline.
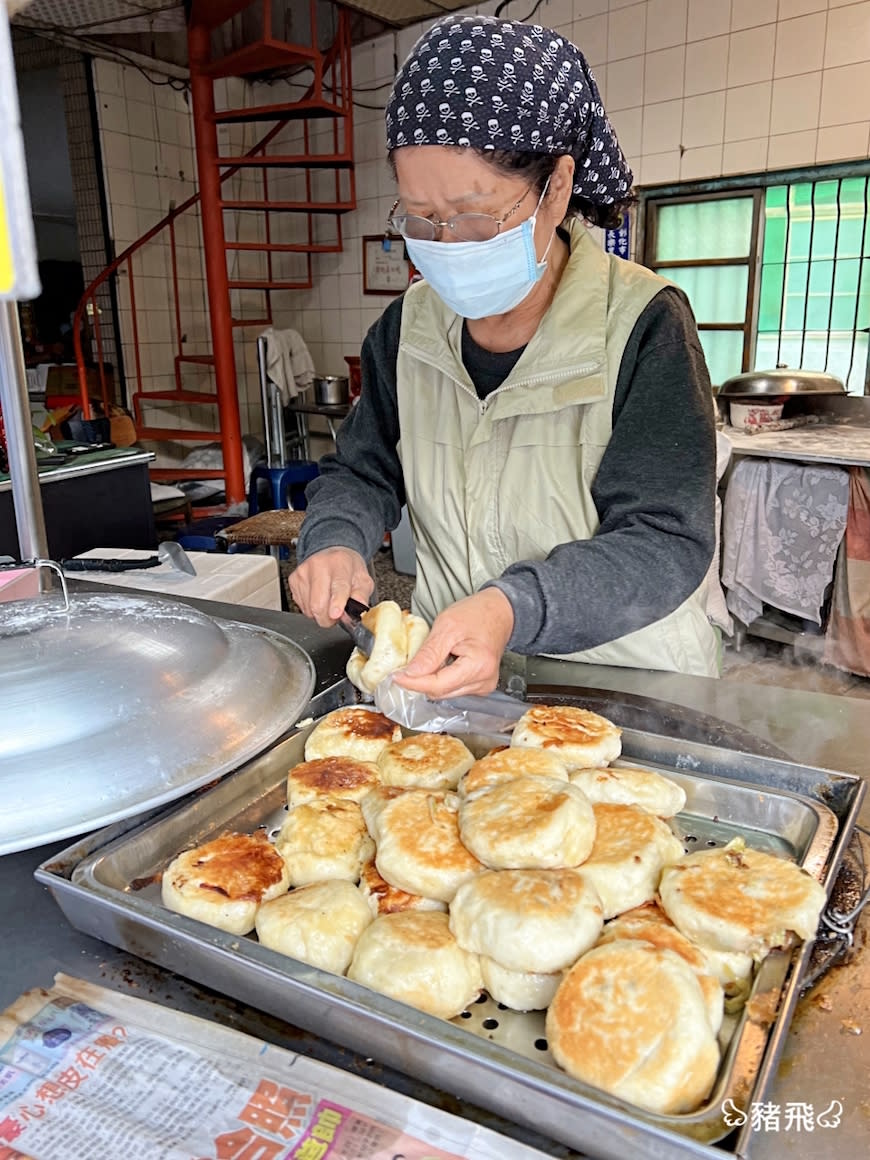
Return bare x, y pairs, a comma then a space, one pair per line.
495, 713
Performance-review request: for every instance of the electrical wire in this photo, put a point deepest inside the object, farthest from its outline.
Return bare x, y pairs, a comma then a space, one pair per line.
504, 4
107, 51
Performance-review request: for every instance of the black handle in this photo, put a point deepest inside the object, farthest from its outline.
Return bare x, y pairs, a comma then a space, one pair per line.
95, 564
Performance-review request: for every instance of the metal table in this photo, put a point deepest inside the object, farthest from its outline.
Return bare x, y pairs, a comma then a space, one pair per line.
825, 1060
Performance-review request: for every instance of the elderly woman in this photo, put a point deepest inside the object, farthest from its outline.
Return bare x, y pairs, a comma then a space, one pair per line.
544, 409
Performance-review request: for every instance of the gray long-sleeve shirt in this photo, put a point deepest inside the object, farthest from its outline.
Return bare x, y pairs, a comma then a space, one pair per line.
654, 490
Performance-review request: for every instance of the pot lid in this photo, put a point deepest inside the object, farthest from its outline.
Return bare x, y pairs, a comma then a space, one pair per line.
782, 381
123, 703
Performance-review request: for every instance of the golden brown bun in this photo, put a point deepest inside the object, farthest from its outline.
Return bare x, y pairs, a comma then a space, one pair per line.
738, 899
414, 958
425, 761
625, 785
631, 847
324, 839
417, 838
505, 763
649, 924
528, 823
224, 881
386, 899
317, 924
527, 920
398, 635
630, 1018
354, 732
582, 739
336, 777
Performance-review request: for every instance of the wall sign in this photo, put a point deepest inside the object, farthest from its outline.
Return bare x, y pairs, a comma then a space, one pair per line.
618, 241
386, 267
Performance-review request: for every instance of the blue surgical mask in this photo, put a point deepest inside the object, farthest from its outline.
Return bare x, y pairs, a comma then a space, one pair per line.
482, 279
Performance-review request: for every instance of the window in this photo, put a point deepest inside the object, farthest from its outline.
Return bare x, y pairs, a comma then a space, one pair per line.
776, 274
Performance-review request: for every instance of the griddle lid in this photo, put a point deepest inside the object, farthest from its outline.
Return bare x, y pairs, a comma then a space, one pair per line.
125, 702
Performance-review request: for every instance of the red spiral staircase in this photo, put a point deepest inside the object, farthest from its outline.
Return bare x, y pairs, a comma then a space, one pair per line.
328, 98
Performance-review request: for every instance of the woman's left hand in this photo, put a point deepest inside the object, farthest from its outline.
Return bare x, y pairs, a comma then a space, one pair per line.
475, 631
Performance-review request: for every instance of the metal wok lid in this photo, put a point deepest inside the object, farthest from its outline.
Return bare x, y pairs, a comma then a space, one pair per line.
123, 703
782, 381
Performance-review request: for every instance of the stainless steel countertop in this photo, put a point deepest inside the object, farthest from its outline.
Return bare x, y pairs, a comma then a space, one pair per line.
824, 1059
86, 465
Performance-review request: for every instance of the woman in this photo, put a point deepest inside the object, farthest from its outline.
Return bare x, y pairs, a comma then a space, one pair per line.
543, 409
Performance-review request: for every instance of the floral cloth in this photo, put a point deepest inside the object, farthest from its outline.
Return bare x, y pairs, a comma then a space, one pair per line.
782, 527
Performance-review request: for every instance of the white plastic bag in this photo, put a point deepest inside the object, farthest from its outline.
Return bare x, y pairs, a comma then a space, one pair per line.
495, 713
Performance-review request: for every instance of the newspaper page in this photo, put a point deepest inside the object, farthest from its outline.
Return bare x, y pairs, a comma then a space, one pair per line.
90, 1074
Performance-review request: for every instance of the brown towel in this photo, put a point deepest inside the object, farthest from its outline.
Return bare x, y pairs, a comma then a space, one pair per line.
847, 640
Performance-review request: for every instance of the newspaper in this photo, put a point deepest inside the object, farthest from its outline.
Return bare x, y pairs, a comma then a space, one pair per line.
90, 1074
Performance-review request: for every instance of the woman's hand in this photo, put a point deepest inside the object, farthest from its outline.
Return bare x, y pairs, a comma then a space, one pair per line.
322, 585
476, 631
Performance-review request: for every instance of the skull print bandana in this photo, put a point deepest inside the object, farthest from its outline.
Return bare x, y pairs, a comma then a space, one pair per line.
494, 84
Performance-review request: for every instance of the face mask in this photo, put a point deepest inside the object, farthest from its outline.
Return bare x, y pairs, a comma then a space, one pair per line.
481, 279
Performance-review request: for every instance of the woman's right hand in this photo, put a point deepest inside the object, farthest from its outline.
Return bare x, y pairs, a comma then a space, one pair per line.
322, 585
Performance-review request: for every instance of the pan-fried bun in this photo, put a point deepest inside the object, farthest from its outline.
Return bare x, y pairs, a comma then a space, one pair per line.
418, 846
738, 899
318, 924
519, 990
336, 777
582, 739
528, 823
356, 662
505, 764
425, 761
650, 925
384, 621
324, 839
354, 732
414, 958
224, 881
386, 899
631, 847
527, 920
630, 1019
416, 631
625, 785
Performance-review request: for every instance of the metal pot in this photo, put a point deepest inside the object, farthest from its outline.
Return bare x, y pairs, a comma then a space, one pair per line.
780, 384
330, 390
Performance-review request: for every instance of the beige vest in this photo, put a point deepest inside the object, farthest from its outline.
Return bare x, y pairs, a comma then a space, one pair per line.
509, 478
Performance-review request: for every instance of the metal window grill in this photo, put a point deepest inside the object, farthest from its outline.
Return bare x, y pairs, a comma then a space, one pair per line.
814, 298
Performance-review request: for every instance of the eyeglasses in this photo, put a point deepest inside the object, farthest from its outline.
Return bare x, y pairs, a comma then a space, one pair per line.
468, 227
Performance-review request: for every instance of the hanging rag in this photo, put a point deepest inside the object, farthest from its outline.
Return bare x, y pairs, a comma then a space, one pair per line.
288, 362
847, 640
782, 527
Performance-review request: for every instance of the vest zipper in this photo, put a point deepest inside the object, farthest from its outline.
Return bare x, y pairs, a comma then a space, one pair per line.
583, 370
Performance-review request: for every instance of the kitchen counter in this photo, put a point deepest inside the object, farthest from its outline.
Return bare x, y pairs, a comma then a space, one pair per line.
845, 444
827, 1056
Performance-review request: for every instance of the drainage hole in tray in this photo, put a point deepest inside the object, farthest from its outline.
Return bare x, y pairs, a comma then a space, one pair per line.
541, 1044
712, 842
465, 1015
490, 1024
482, 999
690, 838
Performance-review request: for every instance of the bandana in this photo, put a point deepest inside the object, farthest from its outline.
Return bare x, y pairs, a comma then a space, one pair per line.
484, 83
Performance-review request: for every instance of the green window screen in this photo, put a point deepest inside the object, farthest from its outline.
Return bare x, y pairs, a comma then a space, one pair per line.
714, 228
723, 350
814, 297
717, 293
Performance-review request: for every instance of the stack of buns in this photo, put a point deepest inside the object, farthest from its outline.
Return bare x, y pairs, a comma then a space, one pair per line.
539, 873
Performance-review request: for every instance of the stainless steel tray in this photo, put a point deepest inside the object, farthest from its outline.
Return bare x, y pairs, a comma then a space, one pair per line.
491, 1056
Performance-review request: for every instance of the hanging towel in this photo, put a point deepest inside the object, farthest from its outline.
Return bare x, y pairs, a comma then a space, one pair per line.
288, 362
782, 526
847, 640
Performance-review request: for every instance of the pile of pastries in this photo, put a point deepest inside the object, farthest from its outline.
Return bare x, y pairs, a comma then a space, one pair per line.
540, 873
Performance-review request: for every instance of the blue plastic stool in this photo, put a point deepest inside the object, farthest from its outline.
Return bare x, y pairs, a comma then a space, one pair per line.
288, 482
202, 535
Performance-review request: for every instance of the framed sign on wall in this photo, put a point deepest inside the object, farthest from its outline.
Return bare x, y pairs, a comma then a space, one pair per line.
386, 266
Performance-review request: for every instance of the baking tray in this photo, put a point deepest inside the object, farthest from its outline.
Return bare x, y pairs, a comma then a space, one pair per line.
490, 1055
